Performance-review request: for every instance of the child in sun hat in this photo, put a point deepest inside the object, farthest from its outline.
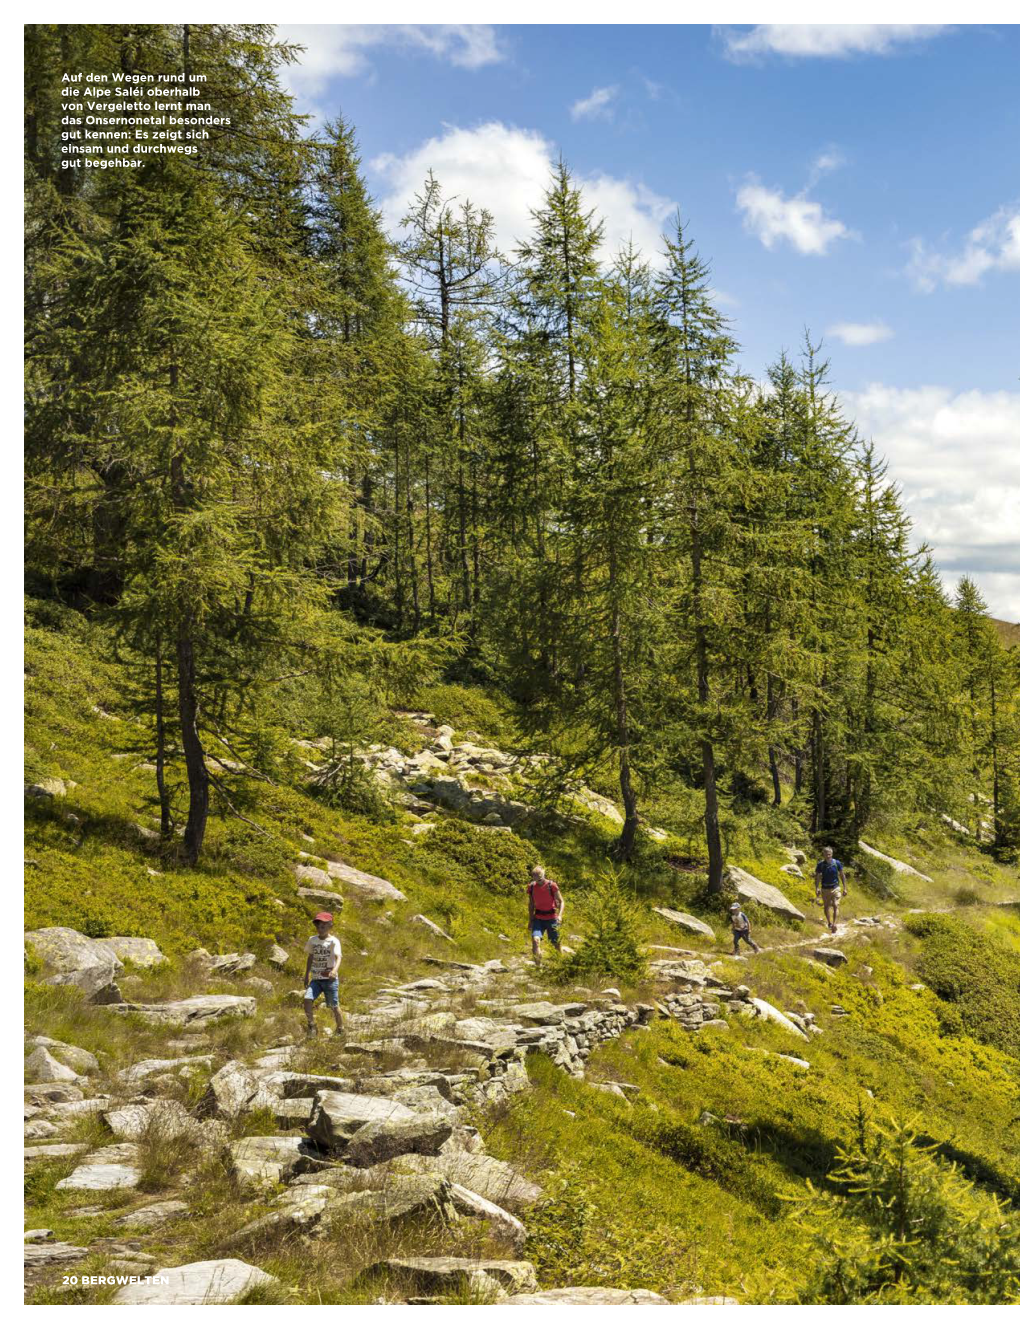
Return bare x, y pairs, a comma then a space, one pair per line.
321, 969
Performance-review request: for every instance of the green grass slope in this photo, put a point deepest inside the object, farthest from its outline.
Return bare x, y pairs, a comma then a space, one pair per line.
724, 1176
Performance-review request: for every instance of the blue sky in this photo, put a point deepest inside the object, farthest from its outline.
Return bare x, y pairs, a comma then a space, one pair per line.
860, 181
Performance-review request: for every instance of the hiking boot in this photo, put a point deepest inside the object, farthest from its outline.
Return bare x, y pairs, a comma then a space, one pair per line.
312, 1031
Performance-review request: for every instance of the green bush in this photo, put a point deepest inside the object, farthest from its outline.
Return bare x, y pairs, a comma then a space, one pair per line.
492, 859
611, 945
980, 978
927, 1235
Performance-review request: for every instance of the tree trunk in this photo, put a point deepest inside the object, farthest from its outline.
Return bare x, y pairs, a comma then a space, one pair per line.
165, 822
191, 739
624, 846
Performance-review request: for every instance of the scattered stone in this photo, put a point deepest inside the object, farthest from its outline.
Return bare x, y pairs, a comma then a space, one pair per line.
194, 1011
420, 1197
230, 965
260, 985
490, 1177
746, 886
590, 1296
686, 922
268, 1160
310, 876
79, 961
447, 1274
421, 920
136, 1074
230, 1091
379, 1140
368, 887
277, 957
164, 1115
834, 958
210, 1282
138, 950
38, 1256
49, 788
337, 1117
791, 869
37, 1234
152, 1215
111, 1168
330, 898
897, 866
766, 1011
43, 1152
77, 1057
503, 1225
40, 1065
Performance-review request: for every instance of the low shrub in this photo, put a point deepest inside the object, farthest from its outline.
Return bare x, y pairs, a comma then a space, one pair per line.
494, 860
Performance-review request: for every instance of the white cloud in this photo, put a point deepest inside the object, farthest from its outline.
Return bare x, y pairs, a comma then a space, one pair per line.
342, 49
598, 105
992, 246
859, 334
508, 171
957, 460
772, 217
825, 40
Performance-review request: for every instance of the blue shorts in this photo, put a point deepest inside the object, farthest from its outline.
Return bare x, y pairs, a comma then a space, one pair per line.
550, 925
328, 987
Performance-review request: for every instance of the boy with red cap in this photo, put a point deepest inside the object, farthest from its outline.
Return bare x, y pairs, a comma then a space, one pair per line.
321, 969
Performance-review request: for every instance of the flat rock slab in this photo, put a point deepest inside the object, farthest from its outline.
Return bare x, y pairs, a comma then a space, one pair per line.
211, 1282
142, 1070
321, 896
588, 1296
42, 1152
687, 923
38, 1256
451, 1274
112, 1168
368, 887
747, 886
138, 950
543, 1012
164, 1115
834, 958
903, 867
152, 1215
195, 1011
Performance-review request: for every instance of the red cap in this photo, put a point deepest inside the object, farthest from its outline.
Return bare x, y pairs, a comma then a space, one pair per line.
323, 917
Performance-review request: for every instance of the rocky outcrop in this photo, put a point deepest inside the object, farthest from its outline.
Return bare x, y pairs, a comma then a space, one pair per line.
111, 1168
137, 950
79, 961
746, 886
76, 1057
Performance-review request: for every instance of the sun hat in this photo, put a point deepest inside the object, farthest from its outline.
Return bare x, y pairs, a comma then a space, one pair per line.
323, 917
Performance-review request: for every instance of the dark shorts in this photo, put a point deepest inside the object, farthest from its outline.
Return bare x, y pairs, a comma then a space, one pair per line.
547, 925
330, 988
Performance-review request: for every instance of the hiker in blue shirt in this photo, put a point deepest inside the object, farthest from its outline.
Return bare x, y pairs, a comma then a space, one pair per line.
829, 877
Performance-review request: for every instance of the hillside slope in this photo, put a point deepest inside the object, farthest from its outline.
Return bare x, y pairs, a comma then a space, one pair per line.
691, 1179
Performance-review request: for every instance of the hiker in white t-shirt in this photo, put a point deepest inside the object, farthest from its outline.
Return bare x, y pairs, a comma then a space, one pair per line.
321, 969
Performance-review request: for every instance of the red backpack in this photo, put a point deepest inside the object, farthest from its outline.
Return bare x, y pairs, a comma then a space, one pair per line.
543, 898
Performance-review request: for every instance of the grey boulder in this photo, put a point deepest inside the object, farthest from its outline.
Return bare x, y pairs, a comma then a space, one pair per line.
210, 1282
686, 922
337, 1117
363, 884
193, 1011
746, 886
79, 961
138, 950
379, 1140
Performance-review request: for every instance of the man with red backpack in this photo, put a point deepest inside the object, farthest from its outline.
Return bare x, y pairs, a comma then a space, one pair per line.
545, 910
